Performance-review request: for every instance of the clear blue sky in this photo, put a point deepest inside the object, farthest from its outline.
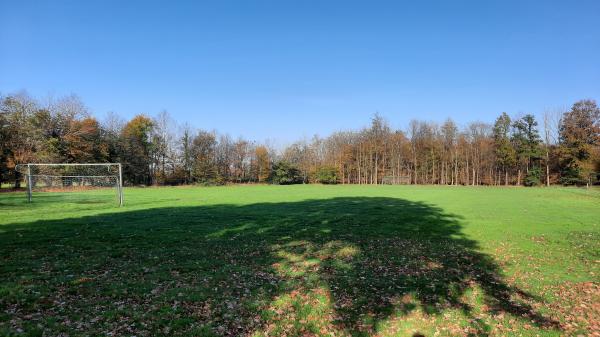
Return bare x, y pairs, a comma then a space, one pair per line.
288, 69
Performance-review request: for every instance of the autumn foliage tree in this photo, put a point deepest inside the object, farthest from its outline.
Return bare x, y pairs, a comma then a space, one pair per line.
156, 150
137, 147
262, 164
84, 142
579, 141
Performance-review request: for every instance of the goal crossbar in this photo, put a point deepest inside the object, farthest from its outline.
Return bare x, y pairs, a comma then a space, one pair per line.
61, 176
70, 164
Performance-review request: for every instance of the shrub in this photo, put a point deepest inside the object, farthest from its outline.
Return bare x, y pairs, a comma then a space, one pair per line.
327, 175
533, 177
571, 175
284, 173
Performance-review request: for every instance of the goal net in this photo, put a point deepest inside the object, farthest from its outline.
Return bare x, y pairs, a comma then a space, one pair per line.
85, 183
396, 180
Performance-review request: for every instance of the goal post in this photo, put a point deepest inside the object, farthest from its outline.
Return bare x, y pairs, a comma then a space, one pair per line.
74, 177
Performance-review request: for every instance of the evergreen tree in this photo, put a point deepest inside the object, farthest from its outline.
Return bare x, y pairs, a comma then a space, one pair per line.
526, 140
503, 149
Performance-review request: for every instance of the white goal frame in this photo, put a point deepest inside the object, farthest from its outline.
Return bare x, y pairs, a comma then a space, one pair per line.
26, 169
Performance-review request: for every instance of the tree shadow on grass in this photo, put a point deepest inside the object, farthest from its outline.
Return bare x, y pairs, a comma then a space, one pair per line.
341, 266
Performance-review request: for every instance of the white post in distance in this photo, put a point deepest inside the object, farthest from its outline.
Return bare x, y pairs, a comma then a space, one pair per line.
29, 182
120, 186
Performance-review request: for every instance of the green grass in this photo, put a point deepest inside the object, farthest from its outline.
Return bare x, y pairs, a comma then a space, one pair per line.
301, 261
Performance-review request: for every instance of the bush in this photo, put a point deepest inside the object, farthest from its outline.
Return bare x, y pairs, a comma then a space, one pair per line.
327, 175
533, 177
571, 175
284, 173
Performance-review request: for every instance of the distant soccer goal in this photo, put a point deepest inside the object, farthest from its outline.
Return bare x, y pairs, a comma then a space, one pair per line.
86, 182
396, 180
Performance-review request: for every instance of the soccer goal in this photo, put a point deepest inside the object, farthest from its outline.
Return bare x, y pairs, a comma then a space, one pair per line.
86, 183
396, 180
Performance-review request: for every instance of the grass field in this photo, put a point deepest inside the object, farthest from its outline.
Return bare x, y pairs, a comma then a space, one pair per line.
302, 261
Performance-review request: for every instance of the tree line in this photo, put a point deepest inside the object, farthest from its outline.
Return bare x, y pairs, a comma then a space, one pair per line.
564, 148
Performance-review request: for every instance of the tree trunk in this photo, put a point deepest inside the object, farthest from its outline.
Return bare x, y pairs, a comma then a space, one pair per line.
17, 180
376, 168
547, 168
